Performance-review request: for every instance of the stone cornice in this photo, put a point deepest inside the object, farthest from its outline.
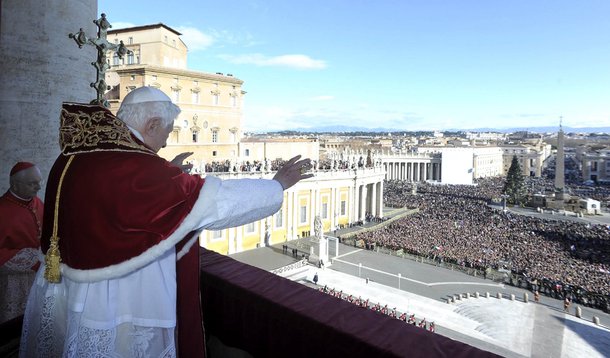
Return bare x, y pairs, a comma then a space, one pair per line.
141, 69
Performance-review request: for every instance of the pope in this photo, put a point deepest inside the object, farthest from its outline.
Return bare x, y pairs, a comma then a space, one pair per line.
120, 235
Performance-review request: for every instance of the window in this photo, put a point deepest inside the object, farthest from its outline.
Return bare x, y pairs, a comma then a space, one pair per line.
593, 166
195, 137
195, 97
115, 59
233, 101
233, 137
130, 58
251, 227
130, 41
247, 152
324, 211
175, 95
215, 136
279, 220
195, 83
154, 77
214, 153
215, 99
165, 38
174, 43
303, 217
133, 77
343, 207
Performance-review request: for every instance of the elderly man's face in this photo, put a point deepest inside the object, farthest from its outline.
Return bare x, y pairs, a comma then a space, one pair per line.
158, 137
26, 183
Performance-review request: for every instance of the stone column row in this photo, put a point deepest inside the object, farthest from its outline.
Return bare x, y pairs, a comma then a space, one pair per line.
412, 171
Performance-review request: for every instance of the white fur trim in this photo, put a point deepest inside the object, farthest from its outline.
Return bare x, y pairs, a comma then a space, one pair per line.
188, 245
191, 222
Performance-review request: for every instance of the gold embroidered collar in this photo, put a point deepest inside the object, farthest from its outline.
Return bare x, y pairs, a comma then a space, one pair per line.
87, 128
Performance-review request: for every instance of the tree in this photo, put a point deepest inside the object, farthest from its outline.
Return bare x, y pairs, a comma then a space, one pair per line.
514, 188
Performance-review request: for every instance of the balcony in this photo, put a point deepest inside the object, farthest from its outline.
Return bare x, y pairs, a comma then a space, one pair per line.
269, 316
265, 315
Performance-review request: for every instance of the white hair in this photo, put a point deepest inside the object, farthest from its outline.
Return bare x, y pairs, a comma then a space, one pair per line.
137, 114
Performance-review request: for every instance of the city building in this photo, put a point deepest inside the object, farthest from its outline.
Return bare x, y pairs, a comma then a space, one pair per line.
595, 165
412, 166
531, 157
210, 124
271, 148
462, 164
338, 197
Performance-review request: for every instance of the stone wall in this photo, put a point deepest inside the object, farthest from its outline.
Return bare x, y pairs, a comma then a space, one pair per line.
41, 68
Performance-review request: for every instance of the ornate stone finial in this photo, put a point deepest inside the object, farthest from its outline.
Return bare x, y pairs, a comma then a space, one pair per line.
102, 45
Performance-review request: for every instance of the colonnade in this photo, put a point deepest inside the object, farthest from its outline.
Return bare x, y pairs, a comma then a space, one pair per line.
412, 170
369, 200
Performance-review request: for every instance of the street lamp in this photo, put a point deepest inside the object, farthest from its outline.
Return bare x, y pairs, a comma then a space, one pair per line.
504, 197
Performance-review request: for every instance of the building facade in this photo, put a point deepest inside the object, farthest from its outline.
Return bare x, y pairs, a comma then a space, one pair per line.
531, 157
595, 165
339, 197
488, 162
210, 124
269, 148
412, 166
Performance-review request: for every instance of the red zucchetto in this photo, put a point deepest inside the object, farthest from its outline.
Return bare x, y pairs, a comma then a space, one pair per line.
20, 166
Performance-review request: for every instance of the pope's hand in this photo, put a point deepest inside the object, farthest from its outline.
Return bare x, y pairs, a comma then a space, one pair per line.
293, 171
180, 158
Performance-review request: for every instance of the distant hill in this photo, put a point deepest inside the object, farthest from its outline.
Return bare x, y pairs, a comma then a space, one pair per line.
549, 129
354, 129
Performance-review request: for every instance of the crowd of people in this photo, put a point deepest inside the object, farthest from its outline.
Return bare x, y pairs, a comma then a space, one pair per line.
455, 224
361, 302
227, 166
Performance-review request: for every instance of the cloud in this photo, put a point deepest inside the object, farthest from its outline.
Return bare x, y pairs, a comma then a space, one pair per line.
300, 62
243, 39
194, 38
121, 25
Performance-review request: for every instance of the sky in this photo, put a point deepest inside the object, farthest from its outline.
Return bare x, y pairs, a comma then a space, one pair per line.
398, 64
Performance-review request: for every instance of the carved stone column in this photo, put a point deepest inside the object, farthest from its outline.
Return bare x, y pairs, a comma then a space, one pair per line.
41, 68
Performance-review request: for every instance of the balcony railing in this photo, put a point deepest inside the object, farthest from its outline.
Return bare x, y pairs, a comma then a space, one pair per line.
267, 316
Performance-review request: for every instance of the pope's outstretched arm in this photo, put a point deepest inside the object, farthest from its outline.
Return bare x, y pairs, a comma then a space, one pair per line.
236, 202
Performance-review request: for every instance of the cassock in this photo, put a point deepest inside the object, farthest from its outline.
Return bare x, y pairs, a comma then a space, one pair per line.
126, 224
20, 225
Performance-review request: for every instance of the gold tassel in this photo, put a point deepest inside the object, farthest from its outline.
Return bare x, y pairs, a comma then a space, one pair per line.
52, 260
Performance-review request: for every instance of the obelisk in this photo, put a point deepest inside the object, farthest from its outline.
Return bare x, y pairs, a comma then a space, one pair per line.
560, 165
